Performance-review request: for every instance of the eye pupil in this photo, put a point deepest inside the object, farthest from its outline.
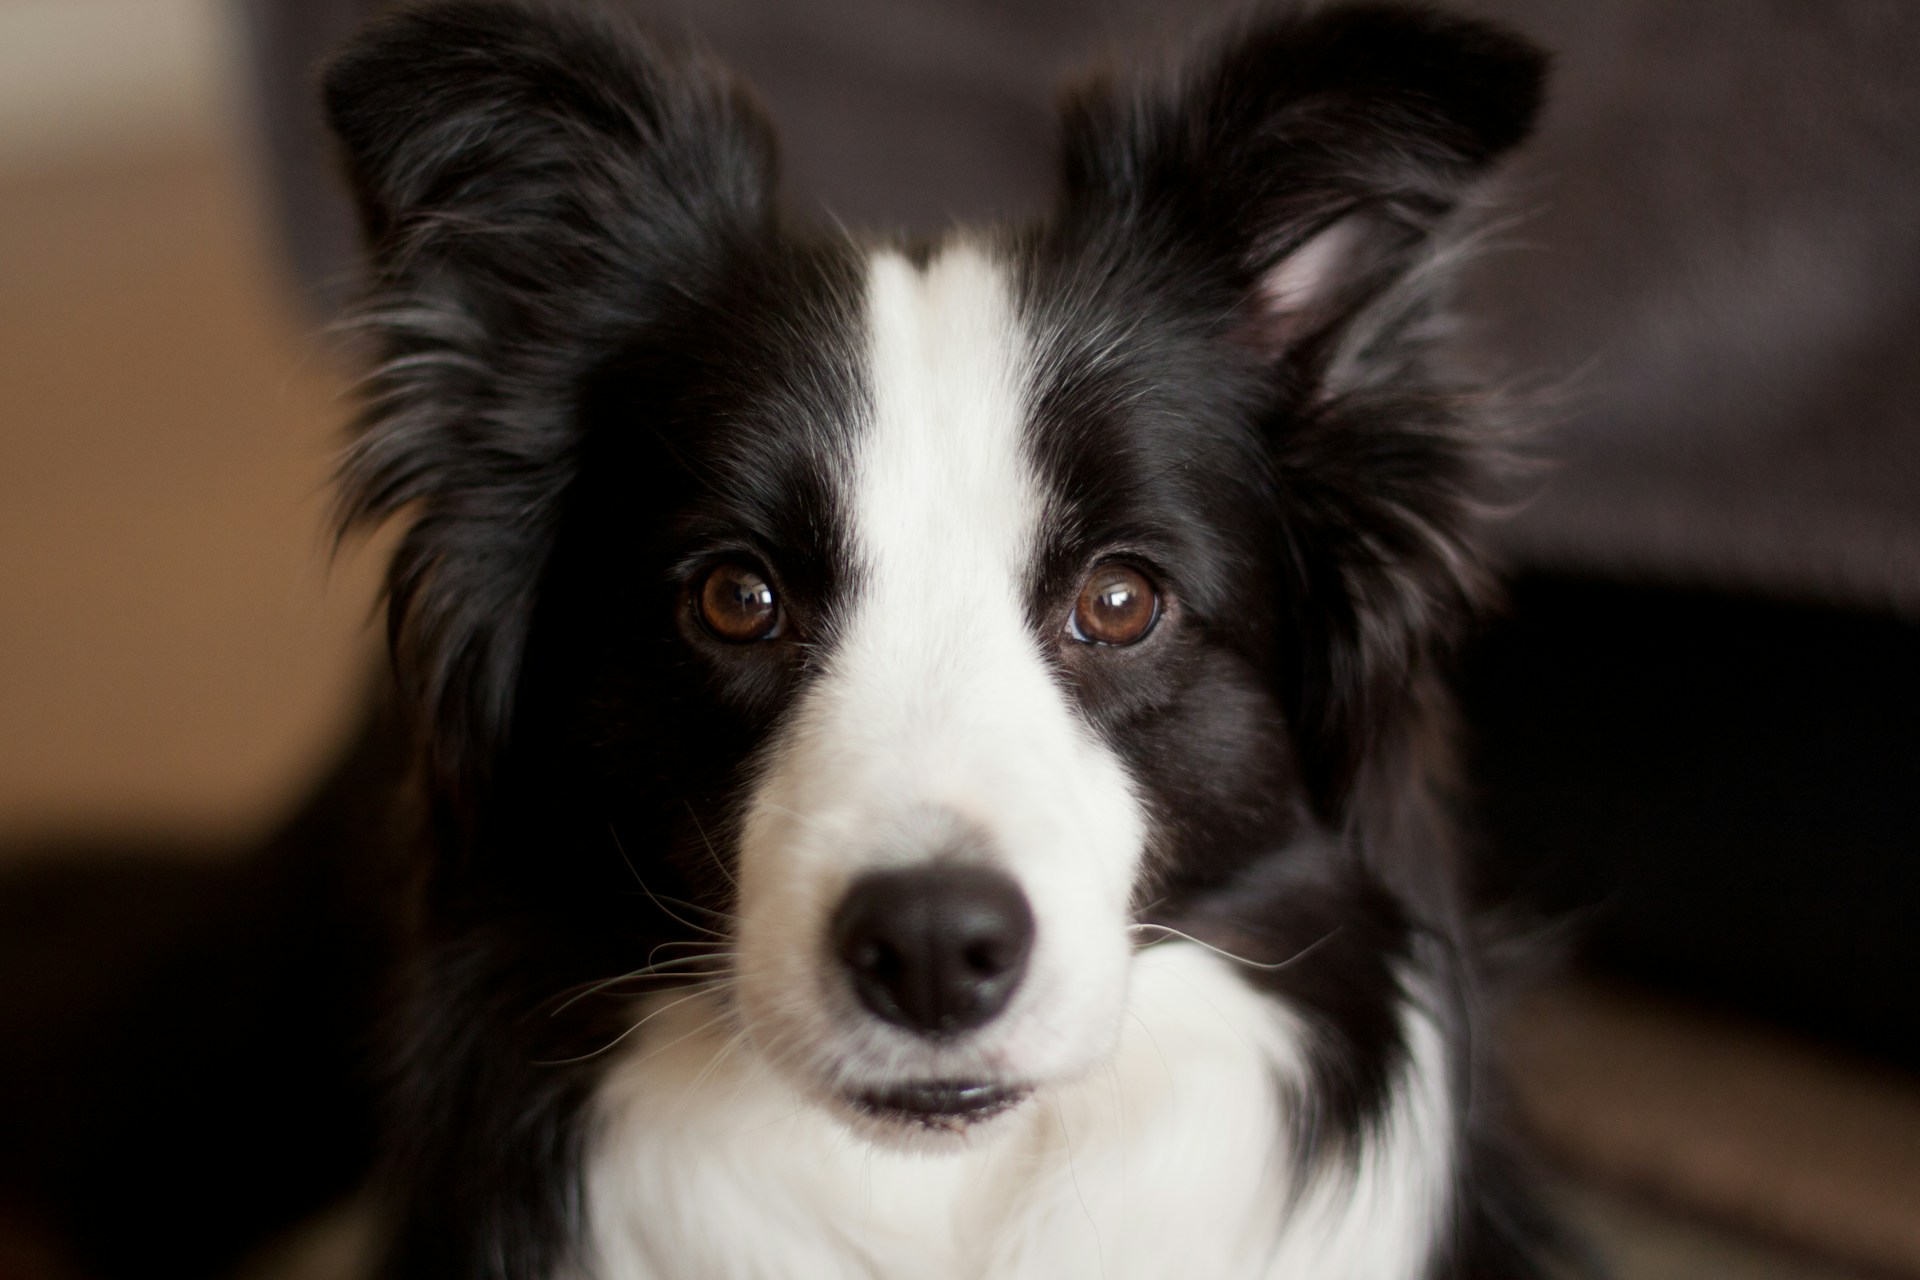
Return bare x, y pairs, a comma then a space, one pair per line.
1117, 606
737, 604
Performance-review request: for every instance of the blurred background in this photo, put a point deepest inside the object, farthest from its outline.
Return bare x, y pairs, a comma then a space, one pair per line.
1695, 728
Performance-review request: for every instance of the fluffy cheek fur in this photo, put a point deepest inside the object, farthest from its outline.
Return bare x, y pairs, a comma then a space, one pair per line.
937, 731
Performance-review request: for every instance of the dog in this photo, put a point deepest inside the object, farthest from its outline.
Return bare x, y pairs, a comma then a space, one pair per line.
932, 754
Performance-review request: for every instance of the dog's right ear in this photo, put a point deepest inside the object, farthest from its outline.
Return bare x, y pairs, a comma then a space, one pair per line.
535, 185
1298, 178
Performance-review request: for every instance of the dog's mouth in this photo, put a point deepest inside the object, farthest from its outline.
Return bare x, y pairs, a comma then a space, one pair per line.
945, 1105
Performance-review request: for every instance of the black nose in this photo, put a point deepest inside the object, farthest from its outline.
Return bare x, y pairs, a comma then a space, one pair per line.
937, 950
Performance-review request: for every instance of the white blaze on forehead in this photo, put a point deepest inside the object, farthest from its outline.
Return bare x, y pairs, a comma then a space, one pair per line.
944, 461
936, 720
939, 654
946, 504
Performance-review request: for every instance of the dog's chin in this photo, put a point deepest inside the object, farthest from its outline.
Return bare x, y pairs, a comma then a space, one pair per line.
923, 1114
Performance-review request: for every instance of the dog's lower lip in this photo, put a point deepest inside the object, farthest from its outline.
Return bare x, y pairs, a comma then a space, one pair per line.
939, 1104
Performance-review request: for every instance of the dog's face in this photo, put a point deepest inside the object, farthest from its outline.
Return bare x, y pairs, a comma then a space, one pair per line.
936, 850
914, 620
1025, 576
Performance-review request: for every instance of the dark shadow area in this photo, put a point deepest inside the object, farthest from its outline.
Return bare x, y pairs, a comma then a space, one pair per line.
195, 1017
1721, 788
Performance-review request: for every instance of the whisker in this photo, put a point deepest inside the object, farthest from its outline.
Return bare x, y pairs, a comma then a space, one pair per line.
658, 947
711, 851
708, 1025
713, 1065
1295, 958
693, 995
715, 912
656, 900
659, 970
723, 956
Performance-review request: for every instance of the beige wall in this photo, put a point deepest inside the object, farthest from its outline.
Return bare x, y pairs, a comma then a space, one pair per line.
176, 650
85, 77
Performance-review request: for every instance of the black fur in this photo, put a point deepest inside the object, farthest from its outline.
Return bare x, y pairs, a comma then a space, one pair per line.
606, 360
536, 192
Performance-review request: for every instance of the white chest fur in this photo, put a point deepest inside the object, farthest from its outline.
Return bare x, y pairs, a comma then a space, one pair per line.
1171, 1162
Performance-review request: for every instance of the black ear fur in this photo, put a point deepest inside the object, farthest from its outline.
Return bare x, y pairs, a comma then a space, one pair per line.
1293, 123
1293, 182
535, 184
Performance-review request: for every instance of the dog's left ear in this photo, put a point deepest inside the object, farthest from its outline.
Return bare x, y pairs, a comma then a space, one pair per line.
1290, 186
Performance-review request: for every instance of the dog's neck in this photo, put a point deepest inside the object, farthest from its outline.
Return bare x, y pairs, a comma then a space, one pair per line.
1181, 1158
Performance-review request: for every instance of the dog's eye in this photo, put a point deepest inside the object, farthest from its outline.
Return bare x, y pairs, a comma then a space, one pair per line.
737, 604
1117, 606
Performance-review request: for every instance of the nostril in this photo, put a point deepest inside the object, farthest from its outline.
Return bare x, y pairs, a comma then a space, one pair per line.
986, 959
937, 949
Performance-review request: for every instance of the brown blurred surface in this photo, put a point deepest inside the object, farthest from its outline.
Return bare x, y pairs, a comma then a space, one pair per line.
176, 649
1738, 1124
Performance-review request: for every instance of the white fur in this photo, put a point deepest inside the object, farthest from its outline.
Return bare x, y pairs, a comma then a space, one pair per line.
1382, 1214
936, 723
1171, 1162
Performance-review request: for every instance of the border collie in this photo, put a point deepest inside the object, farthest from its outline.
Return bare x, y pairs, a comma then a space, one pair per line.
933, 752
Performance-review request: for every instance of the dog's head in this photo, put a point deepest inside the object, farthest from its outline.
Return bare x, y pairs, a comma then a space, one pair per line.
912, 618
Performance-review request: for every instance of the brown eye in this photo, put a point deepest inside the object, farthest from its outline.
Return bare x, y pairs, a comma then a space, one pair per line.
1116, 606
737, 604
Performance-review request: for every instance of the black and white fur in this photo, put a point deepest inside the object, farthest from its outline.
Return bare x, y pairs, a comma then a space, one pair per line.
1243, 1043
